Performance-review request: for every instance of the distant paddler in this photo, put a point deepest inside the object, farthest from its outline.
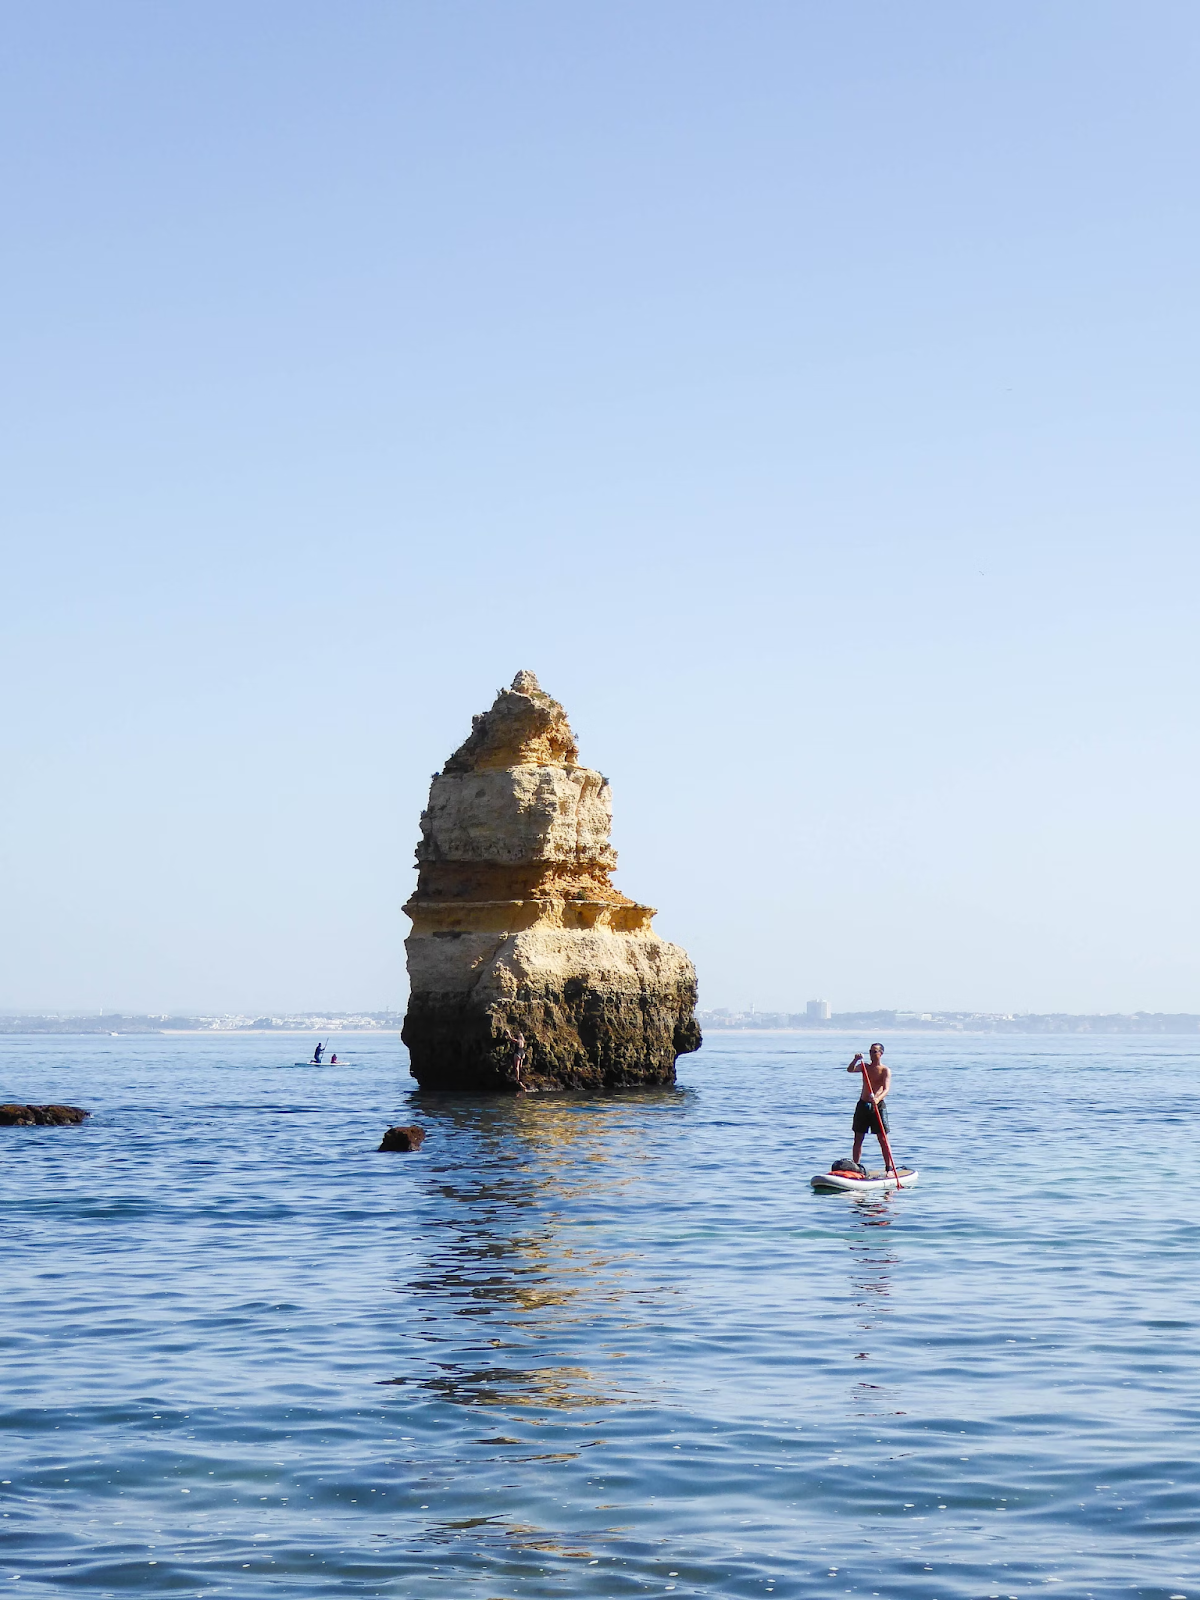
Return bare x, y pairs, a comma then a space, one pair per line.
317, 1054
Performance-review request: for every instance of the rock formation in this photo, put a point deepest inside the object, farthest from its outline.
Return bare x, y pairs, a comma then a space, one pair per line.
528, 969
403, 1138
14, 1116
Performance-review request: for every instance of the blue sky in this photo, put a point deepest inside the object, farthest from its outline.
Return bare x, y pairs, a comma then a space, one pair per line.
806, 392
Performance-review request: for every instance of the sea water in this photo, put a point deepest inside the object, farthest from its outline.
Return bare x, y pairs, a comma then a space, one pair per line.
600, 1346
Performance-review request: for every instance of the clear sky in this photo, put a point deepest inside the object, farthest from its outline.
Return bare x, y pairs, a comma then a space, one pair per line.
807, 392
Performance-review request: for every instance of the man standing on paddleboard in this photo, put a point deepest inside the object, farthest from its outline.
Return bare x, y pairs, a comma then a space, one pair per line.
867, 1117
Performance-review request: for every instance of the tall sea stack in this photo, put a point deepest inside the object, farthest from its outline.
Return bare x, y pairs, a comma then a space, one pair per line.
517, 930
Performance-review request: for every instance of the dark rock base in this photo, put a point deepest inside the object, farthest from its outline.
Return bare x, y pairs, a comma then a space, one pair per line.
576, 1037
14, 1116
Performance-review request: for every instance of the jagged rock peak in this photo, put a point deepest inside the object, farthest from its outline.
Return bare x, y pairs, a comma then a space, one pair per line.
525, 727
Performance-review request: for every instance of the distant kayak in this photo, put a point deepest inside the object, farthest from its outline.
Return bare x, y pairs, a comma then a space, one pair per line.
873, 1183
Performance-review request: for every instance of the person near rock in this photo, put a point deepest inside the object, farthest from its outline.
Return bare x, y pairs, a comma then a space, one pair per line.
517, 1040
867, 1117
317, 1053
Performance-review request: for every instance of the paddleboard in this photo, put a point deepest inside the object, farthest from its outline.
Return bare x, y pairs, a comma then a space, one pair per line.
873, 1183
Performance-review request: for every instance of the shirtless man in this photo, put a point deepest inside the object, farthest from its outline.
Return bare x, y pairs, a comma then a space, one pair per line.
866, 1119
517, 1040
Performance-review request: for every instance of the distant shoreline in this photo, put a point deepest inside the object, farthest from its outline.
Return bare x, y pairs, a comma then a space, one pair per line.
219, 1027
1136, 1023
383, 1023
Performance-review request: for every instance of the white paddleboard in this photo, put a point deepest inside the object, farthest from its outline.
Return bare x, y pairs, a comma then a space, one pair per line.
873, 1183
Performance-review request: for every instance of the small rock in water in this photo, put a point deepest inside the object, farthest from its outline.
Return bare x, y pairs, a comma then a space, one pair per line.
403, 1138
14, 1116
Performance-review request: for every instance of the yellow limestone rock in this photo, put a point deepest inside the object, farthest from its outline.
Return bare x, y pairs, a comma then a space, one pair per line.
517, 930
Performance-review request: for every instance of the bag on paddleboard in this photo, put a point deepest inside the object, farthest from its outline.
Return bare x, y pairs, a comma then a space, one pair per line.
855, 1168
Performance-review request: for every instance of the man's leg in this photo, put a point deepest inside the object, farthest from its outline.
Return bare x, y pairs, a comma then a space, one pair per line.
857, 1152
880, 1129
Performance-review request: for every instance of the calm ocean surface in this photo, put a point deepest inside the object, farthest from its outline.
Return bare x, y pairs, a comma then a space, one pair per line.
600, 1347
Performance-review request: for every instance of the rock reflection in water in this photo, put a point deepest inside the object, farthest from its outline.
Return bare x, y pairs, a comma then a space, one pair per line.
505, 1247
503, 1536
557, 1388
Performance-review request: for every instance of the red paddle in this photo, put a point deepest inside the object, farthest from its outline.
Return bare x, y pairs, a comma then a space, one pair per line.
888, 1159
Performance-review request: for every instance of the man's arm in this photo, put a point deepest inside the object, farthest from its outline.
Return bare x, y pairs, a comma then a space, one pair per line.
855, 1065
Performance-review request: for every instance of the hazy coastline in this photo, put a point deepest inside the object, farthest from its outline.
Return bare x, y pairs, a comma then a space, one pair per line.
718, 1021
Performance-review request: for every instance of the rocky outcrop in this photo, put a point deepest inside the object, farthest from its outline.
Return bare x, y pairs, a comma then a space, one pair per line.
14, 1116
403, 1138
528, 969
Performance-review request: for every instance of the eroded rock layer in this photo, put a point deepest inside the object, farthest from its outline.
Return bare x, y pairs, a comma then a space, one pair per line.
518, 933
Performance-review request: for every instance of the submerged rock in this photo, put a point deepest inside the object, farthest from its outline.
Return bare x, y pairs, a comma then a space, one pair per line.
410, 1138
528, 970
14, 1116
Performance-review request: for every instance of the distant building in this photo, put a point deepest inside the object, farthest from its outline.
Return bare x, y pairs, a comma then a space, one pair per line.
817, 1010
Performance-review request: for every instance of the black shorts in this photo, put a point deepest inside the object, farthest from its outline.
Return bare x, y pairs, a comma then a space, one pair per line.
867, 1117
